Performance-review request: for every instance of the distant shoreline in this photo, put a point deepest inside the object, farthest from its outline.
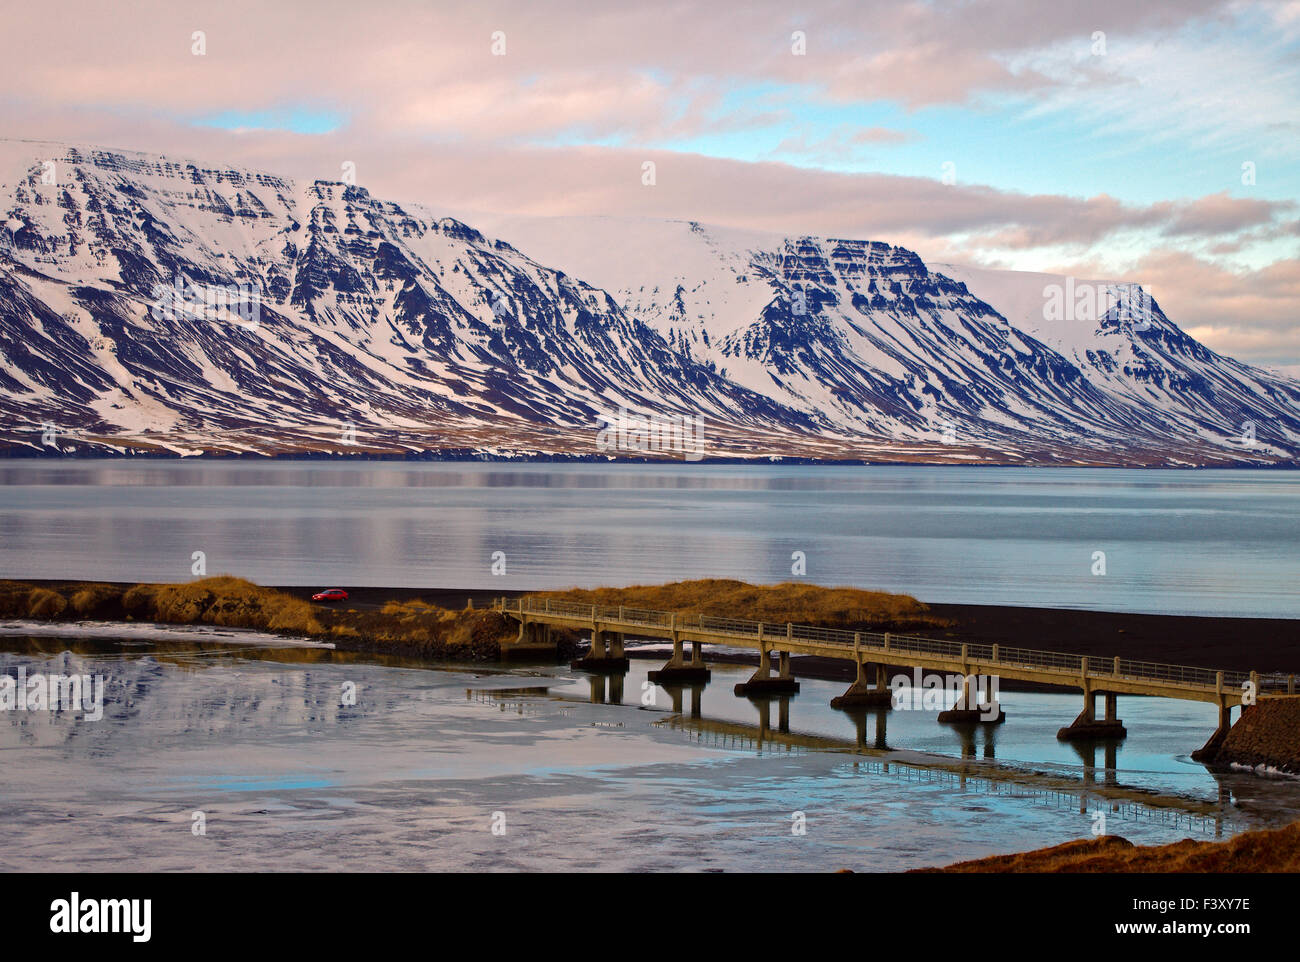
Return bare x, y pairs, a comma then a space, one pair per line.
451, 456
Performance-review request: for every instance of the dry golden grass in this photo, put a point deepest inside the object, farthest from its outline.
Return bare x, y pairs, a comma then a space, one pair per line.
425, 629
472, 630
414, 610
15, 599
43, 603
792, 601
412, 627
1267, 850
94, 598
222, 600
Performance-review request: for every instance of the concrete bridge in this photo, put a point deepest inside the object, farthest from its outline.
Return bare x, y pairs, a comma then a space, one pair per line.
975, 664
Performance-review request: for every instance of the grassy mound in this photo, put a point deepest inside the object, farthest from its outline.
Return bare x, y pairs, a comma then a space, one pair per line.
18, 599
222, 600
45, 604
422, 630
410, 628
848, 608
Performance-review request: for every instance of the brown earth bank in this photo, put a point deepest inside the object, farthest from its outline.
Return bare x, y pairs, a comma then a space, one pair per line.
1232, 644
409, 627
1266, 850
436, 624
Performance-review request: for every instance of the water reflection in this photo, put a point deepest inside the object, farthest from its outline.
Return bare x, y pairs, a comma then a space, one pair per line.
1204, 542
1087, 793
259, 735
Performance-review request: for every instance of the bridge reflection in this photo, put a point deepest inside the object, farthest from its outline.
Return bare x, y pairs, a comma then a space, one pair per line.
1096, 788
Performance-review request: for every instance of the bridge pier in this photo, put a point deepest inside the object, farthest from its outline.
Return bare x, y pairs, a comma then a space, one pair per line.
606, 688
676, 692
1087, 752
1088, 725
861, 695
1208, 751
988, 712
606, 654
762, 682
678, 669
859, 717
764, 708
533, 643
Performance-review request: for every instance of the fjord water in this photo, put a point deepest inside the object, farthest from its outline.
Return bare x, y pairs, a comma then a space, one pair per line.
584, 772
575, 772
1175, 542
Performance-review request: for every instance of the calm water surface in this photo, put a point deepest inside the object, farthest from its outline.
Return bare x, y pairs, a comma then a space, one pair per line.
584, 773
413, 775
1185, 542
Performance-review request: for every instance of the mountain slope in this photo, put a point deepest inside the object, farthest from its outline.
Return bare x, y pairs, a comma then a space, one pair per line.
331, 321
887, 344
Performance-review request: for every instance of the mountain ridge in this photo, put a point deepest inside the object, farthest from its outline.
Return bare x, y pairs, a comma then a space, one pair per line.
390, 329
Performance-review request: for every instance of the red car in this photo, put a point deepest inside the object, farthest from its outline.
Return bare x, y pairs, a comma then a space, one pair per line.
331, 594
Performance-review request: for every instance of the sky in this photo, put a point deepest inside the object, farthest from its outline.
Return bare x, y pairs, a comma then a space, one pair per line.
1152, 142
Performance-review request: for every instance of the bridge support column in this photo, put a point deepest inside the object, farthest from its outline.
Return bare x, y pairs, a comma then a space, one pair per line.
533, 643
861, 695
1208, 751
677, 669
600, 659
976, 704
1088, 725
762, 682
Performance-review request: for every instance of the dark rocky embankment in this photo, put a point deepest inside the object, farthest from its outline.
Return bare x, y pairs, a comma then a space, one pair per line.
1266, 735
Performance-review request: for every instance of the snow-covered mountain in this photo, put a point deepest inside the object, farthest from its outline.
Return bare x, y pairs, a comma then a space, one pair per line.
406, 330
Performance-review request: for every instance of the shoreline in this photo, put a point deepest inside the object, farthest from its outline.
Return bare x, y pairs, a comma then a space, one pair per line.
1203, 641
128, 450
430, 624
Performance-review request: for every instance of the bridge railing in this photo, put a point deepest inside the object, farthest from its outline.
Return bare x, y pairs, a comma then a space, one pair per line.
996, 654
1178, 674
736, 626
1033, 658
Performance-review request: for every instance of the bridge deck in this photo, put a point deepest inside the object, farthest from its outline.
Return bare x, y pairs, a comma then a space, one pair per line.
1118, 675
